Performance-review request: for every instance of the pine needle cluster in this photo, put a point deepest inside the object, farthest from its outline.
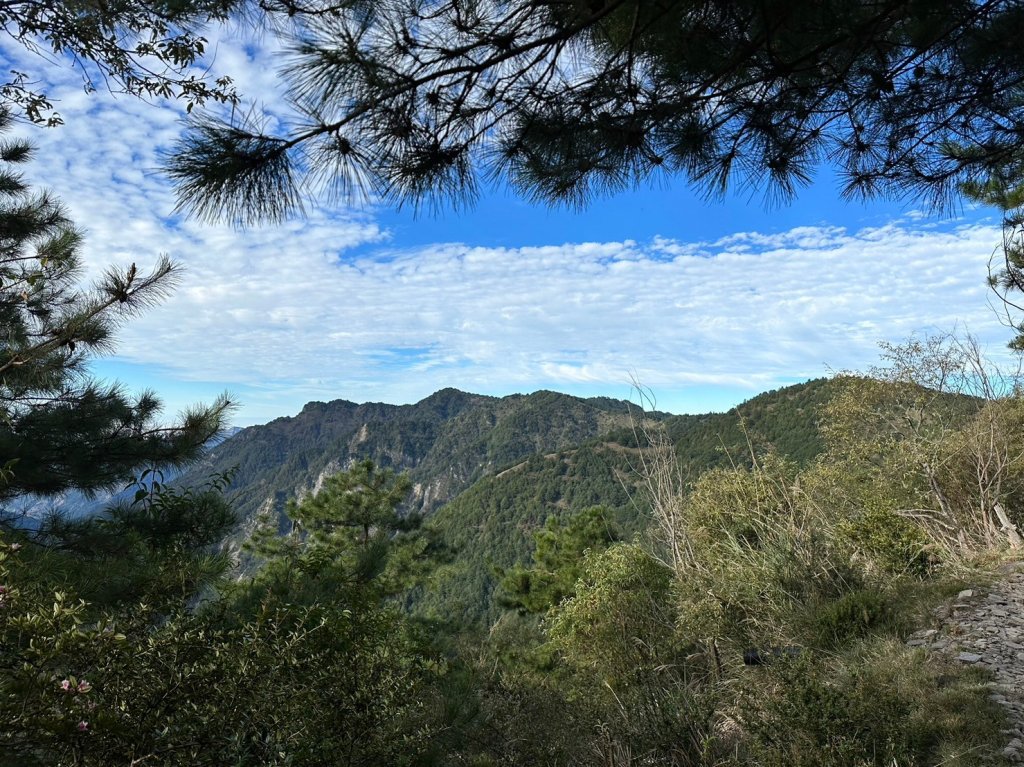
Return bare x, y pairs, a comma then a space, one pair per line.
59, 427
420, 101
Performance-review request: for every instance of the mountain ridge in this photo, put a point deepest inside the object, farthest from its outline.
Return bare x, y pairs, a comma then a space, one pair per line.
446, 442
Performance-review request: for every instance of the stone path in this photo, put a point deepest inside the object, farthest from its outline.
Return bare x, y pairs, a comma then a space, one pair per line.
986, 628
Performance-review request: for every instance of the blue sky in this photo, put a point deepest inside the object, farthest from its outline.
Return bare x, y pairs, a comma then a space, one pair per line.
707, 303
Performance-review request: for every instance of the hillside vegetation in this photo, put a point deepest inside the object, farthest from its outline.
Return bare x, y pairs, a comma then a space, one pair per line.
446, 442
489, 526
784, 419
493, 470
600, 588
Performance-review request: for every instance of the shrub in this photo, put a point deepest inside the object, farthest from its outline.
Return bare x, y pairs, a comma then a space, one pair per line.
894, 544
880, 704
760, 554
646, 697
855, 614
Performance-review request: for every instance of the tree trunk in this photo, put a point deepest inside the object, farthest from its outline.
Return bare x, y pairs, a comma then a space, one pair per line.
1012, 534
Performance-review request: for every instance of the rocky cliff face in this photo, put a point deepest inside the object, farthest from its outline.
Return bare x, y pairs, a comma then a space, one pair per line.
446, 442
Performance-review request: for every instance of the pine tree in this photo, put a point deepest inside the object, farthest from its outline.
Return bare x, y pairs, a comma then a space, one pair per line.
417, 100
348, 540
60, 429
557, 560
1004, 189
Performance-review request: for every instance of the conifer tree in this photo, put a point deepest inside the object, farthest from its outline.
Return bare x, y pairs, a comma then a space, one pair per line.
418, 100
59, 428
558, 557
348, 540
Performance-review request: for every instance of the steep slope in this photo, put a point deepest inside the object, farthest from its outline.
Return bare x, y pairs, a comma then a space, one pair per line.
446, 442
491, 523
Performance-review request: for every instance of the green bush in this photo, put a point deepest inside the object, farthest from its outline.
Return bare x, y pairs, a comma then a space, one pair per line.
881, 704
645, 697
760, 555
620, 620
895, 544
853, 615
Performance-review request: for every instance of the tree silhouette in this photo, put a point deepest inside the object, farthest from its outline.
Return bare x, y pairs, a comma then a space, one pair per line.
59, 429
420, 100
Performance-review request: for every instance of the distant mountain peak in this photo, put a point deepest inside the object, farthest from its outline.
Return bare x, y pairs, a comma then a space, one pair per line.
449, 402
316, 406
448, 392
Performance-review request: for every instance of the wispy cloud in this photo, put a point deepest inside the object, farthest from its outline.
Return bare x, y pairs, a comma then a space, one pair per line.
329, 306
293, 307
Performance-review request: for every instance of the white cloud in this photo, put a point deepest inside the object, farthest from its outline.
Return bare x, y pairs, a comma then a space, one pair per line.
285, 307
327, 307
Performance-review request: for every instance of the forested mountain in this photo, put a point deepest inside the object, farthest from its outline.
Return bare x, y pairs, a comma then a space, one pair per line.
452, 439
490, 471
785, 419
489, 525
446, 442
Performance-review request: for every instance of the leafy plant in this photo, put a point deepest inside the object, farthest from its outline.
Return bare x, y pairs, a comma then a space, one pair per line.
880, 704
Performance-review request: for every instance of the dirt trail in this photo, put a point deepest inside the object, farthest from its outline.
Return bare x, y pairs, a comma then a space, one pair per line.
985, 627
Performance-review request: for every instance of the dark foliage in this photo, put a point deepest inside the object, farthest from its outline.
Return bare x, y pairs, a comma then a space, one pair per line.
145, 49
417, 100
59, 429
